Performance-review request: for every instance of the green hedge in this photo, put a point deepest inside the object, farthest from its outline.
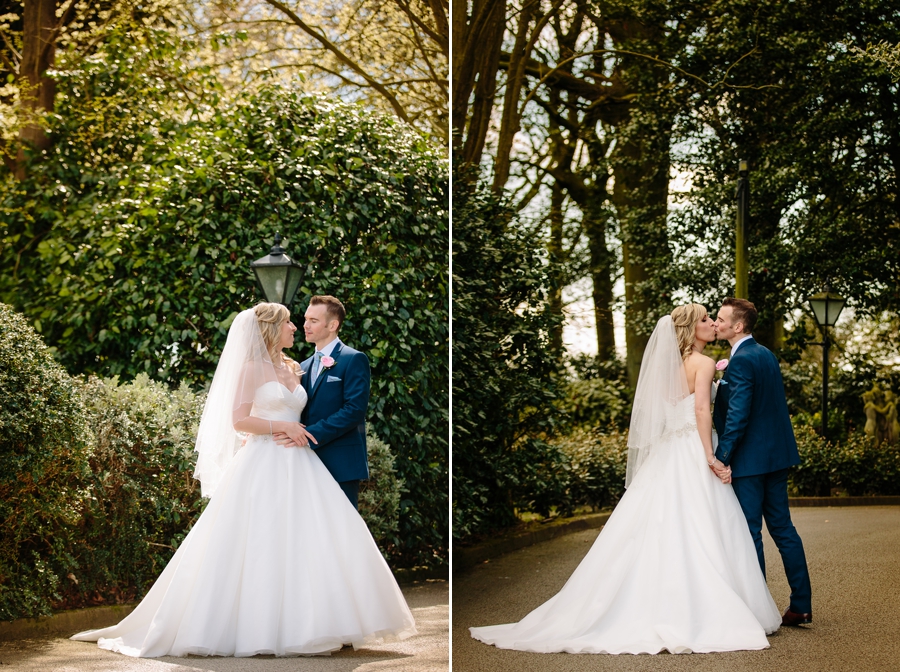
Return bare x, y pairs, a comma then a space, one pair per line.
594, 462
596, 466
857, 466
96, 482
44, 446
504, 379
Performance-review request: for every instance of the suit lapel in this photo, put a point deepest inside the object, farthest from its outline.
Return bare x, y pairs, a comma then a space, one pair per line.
306, 367
335, 353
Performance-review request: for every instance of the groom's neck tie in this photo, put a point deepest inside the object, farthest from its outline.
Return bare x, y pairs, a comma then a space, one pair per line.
315, 368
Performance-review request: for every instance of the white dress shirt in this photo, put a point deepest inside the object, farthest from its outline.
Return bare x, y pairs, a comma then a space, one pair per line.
739, 343
326, 352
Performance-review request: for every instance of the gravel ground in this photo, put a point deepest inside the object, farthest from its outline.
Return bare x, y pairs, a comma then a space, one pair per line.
854, 562
426, 652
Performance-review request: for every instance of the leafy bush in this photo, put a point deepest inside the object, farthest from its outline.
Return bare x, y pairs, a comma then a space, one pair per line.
44, 439
857, 466
503, 377
141, 499
92, 517
596, 465
379, 497
132, 236
596, 402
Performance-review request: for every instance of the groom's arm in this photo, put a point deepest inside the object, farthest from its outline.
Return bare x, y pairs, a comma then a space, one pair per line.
352, 412
740, 400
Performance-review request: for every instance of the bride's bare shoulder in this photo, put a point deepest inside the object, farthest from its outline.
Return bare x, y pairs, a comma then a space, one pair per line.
700, 361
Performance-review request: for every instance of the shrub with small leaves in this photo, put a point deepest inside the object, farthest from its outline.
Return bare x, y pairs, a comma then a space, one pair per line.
596, 402
44, 440
379, 496
141, 497
596, 464
857, 466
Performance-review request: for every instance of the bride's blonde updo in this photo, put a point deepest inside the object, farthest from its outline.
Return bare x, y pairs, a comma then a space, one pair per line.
685, 319
271, 317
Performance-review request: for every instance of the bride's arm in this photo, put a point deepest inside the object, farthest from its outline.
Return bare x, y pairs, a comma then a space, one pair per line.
702, 401
250, 424
244, 422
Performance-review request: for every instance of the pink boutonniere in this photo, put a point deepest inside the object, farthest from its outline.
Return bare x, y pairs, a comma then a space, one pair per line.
721, 365
327, 362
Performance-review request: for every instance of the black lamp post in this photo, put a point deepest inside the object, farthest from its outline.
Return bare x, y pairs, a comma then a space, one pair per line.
278, 275
826, 307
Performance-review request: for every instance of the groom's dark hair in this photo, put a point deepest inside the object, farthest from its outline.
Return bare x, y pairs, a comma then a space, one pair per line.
333, 307
742, 311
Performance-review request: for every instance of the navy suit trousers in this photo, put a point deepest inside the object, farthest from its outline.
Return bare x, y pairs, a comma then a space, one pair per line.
351, 489
765, 495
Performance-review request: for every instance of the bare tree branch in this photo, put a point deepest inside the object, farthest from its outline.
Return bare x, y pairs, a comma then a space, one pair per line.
341, 56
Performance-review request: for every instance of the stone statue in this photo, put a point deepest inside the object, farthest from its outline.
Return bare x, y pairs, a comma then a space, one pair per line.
881, 415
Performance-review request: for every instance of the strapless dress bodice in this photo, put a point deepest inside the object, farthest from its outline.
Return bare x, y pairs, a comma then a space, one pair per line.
681, 418
274, 401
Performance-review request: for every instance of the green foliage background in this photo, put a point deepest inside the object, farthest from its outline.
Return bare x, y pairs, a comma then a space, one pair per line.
504, 380
97, 487
128, 245
627, 162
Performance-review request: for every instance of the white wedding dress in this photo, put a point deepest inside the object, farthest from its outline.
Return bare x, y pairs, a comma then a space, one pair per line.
279, 563
674, 568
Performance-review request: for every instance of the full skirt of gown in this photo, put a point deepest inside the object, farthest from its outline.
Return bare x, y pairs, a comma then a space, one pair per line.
674, 568
279, 563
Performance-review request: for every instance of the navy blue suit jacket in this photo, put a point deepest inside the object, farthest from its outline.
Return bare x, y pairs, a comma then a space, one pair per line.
751, 414
335, 413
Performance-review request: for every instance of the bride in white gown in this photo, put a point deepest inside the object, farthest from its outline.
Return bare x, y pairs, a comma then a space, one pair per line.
675, 566
280, 562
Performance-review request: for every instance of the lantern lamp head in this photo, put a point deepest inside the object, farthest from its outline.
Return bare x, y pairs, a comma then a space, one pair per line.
826, 306
278, 275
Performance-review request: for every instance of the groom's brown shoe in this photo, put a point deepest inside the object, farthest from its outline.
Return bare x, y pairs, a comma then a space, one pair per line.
793, 618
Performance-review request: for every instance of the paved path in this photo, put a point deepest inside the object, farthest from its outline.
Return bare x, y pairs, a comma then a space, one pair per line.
854, 562
426, 652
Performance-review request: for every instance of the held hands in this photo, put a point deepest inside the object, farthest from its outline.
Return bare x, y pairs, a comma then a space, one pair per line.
719, 469
294, 436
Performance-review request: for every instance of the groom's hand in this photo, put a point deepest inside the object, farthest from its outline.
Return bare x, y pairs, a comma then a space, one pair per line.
283, 439
721, 470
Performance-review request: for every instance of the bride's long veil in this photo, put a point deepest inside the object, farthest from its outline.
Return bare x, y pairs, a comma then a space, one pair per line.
245, 366
662, 383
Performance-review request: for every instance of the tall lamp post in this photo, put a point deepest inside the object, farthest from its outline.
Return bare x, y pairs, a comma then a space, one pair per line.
826, 307
278, 275
742, 194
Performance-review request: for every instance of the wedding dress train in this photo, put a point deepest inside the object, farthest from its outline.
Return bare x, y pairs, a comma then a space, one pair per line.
674, 568
279, 563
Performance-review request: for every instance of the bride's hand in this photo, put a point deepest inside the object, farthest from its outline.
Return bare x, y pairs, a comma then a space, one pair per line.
722, 471
724, 475
295, 435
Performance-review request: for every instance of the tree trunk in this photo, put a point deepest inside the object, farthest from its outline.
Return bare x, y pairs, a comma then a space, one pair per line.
477, 40
37, 91
556, 254
515, 76
640, 164
602, 264
641, 198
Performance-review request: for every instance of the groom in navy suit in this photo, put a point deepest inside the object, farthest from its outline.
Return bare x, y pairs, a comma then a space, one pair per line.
337, 386
756, 440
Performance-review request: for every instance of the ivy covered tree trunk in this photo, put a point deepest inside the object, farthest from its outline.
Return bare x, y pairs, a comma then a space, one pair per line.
602, 270
640, 195
556, 254
37, 91
640, 164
